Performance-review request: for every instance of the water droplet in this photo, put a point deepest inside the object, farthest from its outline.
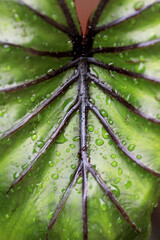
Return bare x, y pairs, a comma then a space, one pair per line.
138, 5
7, 216
110, 225
115, 190
131, 147
113, 156
117, 180
58, 153
34, 137
120, 171
40, 185
61, 139
50, 70
40, 144
55, 176
103, 205
124, 142
128, 184
114, 164
119, 220
16, 175
73, 166
99, 142
103, 113
138, 156
19, 99
50, 163
72, 145
76, 139
1, 114
140, 68
32, 99
105, 37
50, 215
158, 116
90, 128
17, 18
79, 180
136, 197
54, 17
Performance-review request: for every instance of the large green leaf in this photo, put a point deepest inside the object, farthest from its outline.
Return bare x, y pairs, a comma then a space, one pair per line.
79, 120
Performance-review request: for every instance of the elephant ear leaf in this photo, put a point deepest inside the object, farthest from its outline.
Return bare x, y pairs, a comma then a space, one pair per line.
79, 120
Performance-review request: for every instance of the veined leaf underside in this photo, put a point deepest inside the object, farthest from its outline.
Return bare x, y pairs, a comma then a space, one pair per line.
82, 58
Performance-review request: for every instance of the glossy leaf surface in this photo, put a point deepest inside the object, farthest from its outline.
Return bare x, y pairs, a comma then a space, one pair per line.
79, 120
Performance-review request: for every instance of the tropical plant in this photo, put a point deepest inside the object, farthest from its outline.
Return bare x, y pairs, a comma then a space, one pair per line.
79, 120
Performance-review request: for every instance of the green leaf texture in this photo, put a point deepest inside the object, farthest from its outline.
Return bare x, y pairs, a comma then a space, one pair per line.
79, 120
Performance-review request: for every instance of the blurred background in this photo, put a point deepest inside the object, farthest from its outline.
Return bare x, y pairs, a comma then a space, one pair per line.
84, 10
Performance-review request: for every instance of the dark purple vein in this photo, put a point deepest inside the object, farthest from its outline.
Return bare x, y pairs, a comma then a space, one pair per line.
83, 93
39, 52
112, 197
125, 48
123, 71
56, 133
125, 18
112, 93
97, 14
46, 18
69, 18
42, 106
91, 26
118, 143
45, 77
61, 204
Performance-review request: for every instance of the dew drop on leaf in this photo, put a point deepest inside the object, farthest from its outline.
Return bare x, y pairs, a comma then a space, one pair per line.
131, 147
158, 116
103, 113
72, 145
114, 164
76, 139
73, 166
103, 205
55, 176
128, 184
113, 156
138, 156
79, 180
138, 5
115, 190
61, 139
140, 68
1, 114
90, 128
15, 175
105, 134
99, 142
7, 216
40, 144
120, 171
34, 137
